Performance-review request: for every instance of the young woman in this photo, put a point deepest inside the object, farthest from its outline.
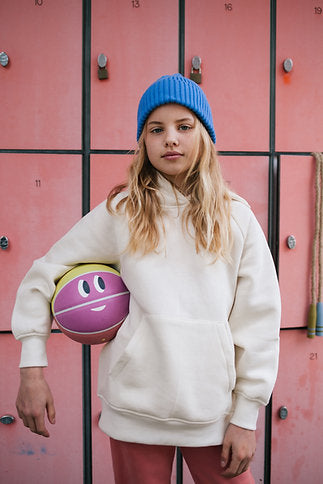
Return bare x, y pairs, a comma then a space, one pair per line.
197, 356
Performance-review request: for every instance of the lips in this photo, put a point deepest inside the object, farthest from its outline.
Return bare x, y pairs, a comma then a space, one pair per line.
172, 155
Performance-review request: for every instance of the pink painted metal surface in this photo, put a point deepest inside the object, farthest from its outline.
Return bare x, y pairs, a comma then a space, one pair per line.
140, 41
26, 457
41, 87
248, 177
297, 440
297, 218
299, 93
234, 49
107, 171
40, 200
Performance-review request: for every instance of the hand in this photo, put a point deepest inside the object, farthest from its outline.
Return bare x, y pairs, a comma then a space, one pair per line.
239, 446
34, 398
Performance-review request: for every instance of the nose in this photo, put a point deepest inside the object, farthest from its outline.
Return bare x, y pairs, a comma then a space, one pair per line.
171, 138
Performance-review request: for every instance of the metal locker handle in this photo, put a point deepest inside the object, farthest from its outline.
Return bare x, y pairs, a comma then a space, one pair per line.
291, 242
288, 65
4, 59
283, 412
7, 419
4, 242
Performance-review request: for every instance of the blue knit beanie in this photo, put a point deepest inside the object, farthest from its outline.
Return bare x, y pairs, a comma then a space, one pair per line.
175, 89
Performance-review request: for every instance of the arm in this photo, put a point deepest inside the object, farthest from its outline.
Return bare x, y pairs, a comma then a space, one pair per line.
255, 324
92, 239
34, 400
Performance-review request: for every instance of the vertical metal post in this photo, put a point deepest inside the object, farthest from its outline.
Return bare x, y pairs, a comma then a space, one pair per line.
181, 37
273, 206
181, 70
86, 132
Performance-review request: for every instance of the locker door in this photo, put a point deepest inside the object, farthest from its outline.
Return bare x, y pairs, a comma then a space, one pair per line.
248, 177
299, 93
297, 209
297, 440
234, 49
40, 200
140, 40
41, 85
26, 457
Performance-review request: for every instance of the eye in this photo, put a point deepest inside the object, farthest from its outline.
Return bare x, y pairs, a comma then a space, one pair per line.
99, 283
83, 288
156, 130
184, 127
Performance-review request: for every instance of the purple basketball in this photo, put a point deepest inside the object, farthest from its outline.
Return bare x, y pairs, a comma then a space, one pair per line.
90, 303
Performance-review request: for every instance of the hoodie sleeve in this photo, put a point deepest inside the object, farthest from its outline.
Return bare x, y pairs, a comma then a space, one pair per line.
255, 324
92, 239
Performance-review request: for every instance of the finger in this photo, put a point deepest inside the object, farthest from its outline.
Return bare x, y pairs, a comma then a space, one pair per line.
236, 469
233, 467
39, 426
51, 414
225, 454
243, 466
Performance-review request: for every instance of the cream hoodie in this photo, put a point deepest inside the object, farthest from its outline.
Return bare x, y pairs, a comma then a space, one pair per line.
199, 348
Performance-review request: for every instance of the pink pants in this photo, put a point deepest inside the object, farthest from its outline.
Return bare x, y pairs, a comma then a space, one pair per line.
152, 464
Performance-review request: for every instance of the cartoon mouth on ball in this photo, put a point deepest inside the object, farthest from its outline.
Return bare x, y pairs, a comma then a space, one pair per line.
100, 308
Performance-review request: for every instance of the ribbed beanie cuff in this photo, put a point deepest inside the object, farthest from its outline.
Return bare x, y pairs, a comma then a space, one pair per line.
175, 89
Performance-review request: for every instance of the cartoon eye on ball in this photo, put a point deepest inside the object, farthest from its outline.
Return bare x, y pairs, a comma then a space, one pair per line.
90, 303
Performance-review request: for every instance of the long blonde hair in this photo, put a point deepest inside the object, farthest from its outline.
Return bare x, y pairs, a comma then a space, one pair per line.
208, 210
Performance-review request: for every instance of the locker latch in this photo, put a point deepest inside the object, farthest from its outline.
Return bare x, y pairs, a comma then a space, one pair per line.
4, 242
7, 419
102, 67
291, 242
196, 72
4, 59
288, 65
283, 412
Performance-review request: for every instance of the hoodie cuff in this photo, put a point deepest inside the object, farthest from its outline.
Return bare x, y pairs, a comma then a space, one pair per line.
245, 412
33, 351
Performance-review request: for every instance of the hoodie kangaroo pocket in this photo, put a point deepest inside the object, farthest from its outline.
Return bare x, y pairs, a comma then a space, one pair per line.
179, 369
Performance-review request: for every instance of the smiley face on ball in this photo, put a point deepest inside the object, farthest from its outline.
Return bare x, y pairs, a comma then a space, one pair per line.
90, 298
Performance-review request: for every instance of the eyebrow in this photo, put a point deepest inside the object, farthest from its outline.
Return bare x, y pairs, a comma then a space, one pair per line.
182, 120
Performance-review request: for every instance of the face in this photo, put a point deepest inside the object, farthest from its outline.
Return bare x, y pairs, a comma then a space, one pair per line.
170, 137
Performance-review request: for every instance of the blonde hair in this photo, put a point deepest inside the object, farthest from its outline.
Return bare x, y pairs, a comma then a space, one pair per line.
208, 210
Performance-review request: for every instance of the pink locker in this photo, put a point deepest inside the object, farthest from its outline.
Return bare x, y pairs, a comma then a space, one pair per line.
35, 191
299, 94
41, 84
297, 411
27, 457
297, 219
140, 41
232, 40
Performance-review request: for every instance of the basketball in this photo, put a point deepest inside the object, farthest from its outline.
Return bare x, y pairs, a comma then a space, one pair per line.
90, 303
